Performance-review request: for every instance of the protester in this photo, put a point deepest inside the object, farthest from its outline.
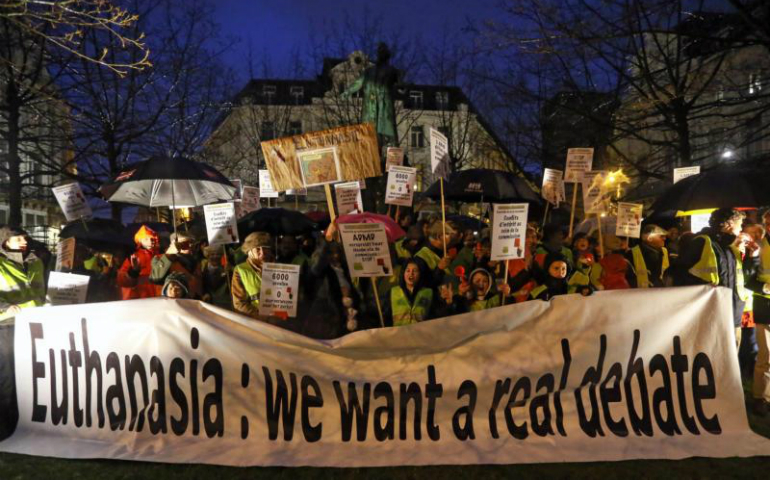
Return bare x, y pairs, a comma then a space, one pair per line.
176, 286
759, 283
134, 275
478, 291
22, 273
247, 276
465, 256
410, 301
216, 288
179, 257
552, 242
555, 283
408, 246
433, 253
290, 253
521, 273
649, 260
610, 272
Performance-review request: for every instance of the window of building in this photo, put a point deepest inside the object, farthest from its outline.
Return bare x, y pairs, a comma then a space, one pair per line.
416, 137
268, 91
295, 128
755, 84
415, 98
297, 94
442, 100
267, 131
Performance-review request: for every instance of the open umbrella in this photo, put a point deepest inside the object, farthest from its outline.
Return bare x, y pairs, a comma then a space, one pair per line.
320, 218
723, 187
100, 234
482, 185
392, 229
467, 222
276, 221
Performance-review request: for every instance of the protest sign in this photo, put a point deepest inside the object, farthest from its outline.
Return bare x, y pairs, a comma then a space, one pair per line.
279, 290
221, 226
319, 166
366, 249
579, 160
439, 154
65, 254
699, 221
66, 288
684, 172
72, 201
249, 200
619, 375
553, 186
348, 198
400, 187
266, 189
394, 156
357, 155
629, 220
593, 200
509, 230
238, 190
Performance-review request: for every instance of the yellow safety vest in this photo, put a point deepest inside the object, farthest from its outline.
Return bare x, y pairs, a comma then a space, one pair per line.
537, 291
406, 314
22, 287
252, 281
706, 268
430, 257
740, 284
402, 252
491, 302
640, 267
577, 280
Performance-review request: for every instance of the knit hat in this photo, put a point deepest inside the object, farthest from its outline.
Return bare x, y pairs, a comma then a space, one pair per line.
256, 239
436, 231
180, 279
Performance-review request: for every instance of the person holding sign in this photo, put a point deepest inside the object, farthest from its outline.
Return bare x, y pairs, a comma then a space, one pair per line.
433, 253
134, 275
22, 273
247, 276
649, 260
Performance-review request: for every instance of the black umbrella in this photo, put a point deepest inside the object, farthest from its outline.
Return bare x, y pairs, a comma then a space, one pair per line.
723, 187
467, 222
482, 185
276, 221
100, 234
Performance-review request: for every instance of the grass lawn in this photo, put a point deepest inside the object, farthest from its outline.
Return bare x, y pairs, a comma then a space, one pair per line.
28, 467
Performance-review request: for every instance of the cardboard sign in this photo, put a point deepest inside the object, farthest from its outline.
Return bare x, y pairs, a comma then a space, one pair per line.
400, 188
682, 173
266, 189
238, 190
579, 160
249, 200
509, 231
629, 221
72, 201
348, 198
592, 194
366, 249
358, 154
394, 156
65, 254
439, 154
221, 226
553, 186
279, 290
66, 288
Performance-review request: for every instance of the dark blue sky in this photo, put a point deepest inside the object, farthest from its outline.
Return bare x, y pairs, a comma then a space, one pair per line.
277, 27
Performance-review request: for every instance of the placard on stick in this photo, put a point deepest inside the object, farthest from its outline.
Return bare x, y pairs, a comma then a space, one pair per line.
65, 254
366, 249
221, 226
72, 201
279, 290
266, 189
579, 160
553, 186
249, 200
592, 192
400, 187
509, 230
66, 288
629, 221
394, 156
439, 154
684, 172
348, 198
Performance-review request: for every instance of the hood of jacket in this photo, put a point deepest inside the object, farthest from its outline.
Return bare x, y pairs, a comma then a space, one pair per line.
21, 258
489, 276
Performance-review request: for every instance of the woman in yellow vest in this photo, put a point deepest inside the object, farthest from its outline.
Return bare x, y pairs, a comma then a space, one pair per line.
412, 301
247, 276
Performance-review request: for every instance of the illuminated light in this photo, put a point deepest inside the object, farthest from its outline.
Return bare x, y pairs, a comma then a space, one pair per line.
728, 154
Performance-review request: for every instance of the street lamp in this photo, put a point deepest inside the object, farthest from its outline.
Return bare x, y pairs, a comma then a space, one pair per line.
727, 154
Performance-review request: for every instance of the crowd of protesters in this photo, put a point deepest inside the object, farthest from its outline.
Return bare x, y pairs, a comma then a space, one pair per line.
439, 269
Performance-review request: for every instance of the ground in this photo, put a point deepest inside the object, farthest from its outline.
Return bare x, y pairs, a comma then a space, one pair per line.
27, 467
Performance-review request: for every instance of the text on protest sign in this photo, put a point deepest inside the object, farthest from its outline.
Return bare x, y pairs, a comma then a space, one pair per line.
684, 172
279, 290
212, 386
400, 187
366, 249
553, 186
593, 201
221, 224
439, 154
509, 230
65, 254
394, 156
249, 200
579, 160
66, 288
629, 220
266, 189
72, 201
319, 166
348, 198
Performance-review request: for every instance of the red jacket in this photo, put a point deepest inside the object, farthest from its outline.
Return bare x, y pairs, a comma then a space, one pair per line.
614, 268
139, 286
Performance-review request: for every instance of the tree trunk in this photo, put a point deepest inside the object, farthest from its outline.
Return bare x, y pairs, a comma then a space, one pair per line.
14, 161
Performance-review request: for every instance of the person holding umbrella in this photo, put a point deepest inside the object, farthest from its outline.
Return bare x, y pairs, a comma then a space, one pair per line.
22, 273
134, 275
247, 276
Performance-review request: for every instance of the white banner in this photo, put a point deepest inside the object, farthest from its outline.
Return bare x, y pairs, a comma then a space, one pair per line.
579, 160
629, 220
72, 201
66, 288
553, 186
366, 249
266, 189
439, 154
348, 196
278, 293
221, 224
400, 186
618, 375
509, 230
684, 172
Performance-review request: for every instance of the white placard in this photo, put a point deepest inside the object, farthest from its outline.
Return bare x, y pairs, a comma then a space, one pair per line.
400, 187
279, 290
249, 200
684, 172
362, 184
592, 198
65, 254
348, 198
699, 221
238, 190
629, 221
553, 186
66, 288
394, 156
509, 230
221, 226
439, 154
579, 160
366, 249
72, 201
266, 189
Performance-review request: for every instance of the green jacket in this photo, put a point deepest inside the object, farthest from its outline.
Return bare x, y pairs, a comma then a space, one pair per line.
22, 281
405, 313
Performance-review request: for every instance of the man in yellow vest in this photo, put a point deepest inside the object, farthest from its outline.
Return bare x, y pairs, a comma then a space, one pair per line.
649, 259
247, 276
22, 273
760, 285
433, 253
